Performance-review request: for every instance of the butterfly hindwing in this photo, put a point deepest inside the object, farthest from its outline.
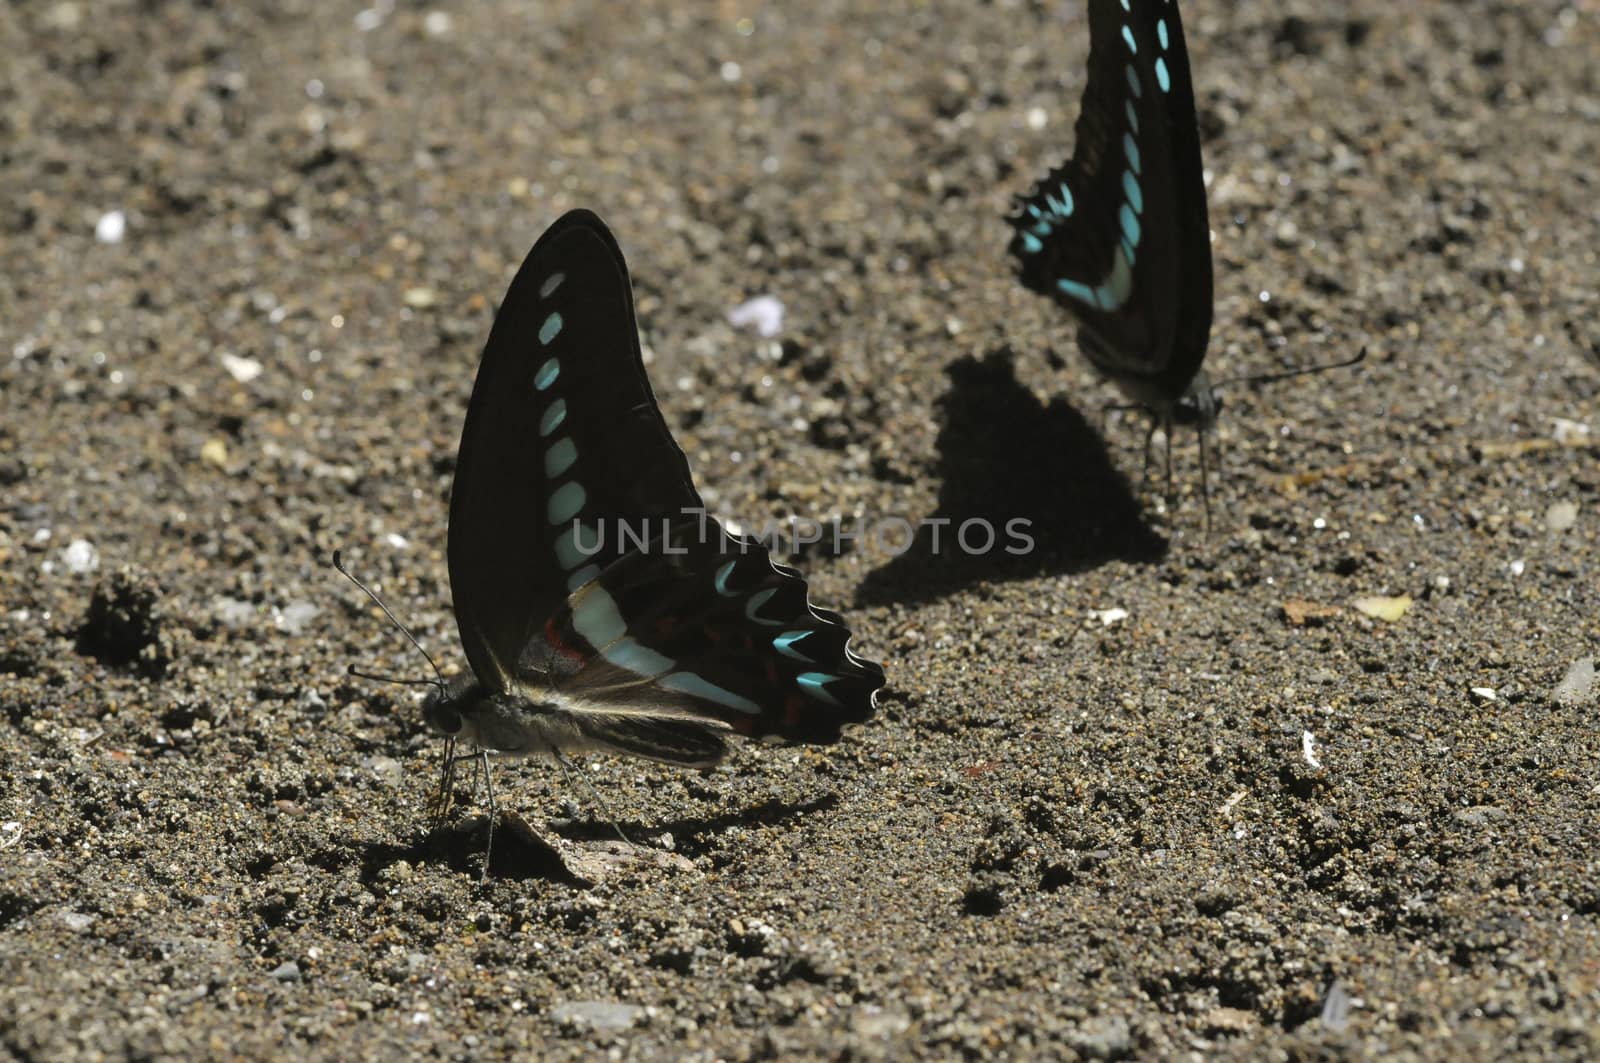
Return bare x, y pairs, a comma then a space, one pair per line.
1119, 235
562, 428
714, 630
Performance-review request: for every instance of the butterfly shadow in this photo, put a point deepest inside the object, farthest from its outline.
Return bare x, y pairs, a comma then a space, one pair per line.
458, 843
1007, 457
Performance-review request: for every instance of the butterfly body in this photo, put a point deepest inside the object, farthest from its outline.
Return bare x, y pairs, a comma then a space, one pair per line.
599, 606
549, 726
1119, 235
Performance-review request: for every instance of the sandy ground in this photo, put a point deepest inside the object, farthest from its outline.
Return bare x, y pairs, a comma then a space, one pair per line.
1213, 827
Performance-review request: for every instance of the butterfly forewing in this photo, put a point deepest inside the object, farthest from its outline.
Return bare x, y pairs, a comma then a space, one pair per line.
1119, 235
562, 437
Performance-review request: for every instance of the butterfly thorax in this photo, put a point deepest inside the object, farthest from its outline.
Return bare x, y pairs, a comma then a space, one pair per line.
1199, 406
511, 724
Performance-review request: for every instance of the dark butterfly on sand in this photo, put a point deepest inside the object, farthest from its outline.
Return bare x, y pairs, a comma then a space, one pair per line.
1119, 235
599, 606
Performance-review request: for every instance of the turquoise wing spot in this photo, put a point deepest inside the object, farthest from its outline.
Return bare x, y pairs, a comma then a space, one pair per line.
1162, 77
565, 502
1078, 290
1161, 32
551, 283
1133, 116
1110, 293
550, 328
574, 546
559, 457
757, 600
1127, 37
722, 579
1125, 6
1130, 151
582, 576
634, 656
554, 415
1130, 189
1062, 207
1032, 244
694, 686
1130, 225
784, 644
547, 374
595, 616
1134, 88
813, 683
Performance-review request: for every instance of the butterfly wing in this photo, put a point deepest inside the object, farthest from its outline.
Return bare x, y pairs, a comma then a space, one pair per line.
562, 434
712, 630
1119, 235
589, 583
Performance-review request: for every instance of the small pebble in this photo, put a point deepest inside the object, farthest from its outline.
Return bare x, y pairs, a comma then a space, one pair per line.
233, 613
1383, 607
214, 452
1336, 1008
243, 370
1561, 516
81, 557
600, 1015
112, 227
294, 617
78, 921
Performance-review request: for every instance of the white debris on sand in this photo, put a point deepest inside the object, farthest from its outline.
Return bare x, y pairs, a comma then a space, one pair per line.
765, 312
81, 557
1577, 686
243, 370
111, 227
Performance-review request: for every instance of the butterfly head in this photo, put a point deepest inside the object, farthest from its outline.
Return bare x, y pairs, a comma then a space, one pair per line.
1199, 406
447, 703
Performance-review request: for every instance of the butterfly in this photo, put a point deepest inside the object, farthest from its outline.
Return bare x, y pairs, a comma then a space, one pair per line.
1119, 235
600, 607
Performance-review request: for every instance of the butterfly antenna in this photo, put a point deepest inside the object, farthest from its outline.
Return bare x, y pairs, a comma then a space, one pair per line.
338, 563
400, 680
1267, 378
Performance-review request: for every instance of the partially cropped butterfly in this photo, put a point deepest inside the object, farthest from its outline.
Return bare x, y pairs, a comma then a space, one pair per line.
599, 606
1119, 235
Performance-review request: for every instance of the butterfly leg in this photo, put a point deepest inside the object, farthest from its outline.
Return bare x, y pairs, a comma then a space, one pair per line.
494, 812
1166, 429
1205, 488
445, 795
1149, 441
567, 772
